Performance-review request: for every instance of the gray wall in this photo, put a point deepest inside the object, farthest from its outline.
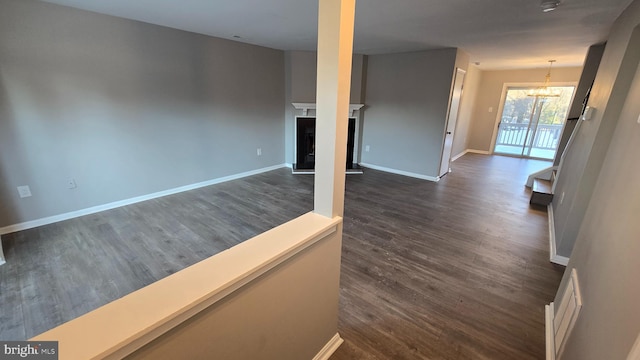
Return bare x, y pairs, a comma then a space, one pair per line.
125, 108
589, 70
407, 98
491, 87
584, 159
300, 86
607, 247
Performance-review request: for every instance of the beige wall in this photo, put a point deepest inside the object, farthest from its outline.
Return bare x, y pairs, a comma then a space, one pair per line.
490, 93
467, 105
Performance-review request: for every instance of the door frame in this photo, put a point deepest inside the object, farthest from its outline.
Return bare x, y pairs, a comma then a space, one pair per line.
503, 97
456, 72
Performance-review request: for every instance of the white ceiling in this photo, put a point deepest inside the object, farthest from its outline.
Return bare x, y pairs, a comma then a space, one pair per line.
499, 34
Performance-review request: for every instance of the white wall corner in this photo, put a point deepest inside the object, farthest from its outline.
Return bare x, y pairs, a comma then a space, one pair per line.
553, 255
329, 348
2, 260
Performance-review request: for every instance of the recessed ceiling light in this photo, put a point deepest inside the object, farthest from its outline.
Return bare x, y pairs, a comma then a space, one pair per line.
549, 5
236, 37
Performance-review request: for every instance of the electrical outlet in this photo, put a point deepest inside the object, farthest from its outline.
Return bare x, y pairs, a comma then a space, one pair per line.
259, 151
71, 184
366, 148
562, 198
24, 191
490, 109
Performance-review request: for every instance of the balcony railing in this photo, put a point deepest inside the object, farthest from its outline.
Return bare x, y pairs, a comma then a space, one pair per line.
546, 136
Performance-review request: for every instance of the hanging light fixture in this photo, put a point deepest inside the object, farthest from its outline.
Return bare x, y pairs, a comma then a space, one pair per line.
545, 90
549, 5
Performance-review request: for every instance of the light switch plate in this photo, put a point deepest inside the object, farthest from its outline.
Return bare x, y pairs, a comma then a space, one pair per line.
24, 191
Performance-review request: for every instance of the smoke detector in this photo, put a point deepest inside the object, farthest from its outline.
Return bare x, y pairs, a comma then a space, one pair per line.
549, 5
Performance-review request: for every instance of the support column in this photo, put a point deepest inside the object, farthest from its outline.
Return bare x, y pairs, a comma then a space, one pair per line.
335, 48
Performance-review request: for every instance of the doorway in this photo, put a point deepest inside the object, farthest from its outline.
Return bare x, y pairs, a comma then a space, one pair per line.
531, 126
454, 107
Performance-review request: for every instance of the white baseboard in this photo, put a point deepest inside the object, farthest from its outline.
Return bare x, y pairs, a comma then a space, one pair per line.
290, 166
553, 255
459, 155
329, 348
474, 151
401, 172
550, 340
94, 209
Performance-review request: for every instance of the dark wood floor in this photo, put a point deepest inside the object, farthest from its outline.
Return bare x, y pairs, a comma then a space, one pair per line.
451, 270
454, 270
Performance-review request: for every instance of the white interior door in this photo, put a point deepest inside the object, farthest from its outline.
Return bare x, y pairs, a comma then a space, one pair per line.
451, 121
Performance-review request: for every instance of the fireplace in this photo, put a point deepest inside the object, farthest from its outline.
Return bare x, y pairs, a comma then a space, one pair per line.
305, 139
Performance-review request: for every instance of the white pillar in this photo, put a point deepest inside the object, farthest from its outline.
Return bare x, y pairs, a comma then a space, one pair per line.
335, 48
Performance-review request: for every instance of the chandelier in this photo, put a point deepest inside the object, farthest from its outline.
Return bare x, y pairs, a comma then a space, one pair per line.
545, 91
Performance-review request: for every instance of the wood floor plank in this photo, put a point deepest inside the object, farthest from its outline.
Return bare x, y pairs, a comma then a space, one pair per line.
452, 270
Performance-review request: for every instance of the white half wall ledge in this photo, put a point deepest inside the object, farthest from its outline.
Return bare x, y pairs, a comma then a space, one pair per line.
95, 209
553, 255
170, 302
401, 172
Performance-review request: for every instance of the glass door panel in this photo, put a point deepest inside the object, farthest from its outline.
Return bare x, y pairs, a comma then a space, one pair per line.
531, 126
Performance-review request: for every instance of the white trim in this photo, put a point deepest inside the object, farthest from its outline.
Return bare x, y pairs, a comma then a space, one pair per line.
290, 166
94, 209
549, 313
553, 255
454, 158
568, 312
305, 107
2, 260
401, 172
474, 151
329, 348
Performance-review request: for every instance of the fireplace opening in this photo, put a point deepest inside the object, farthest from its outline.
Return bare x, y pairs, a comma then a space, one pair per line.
306, 141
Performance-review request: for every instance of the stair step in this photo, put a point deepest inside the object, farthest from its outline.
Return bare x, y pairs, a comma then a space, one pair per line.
541, 192
541, 186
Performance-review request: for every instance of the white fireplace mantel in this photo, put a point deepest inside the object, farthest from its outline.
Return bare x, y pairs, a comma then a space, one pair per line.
305, 107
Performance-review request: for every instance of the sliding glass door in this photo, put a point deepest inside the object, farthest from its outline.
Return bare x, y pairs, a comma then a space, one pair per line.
531, 126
